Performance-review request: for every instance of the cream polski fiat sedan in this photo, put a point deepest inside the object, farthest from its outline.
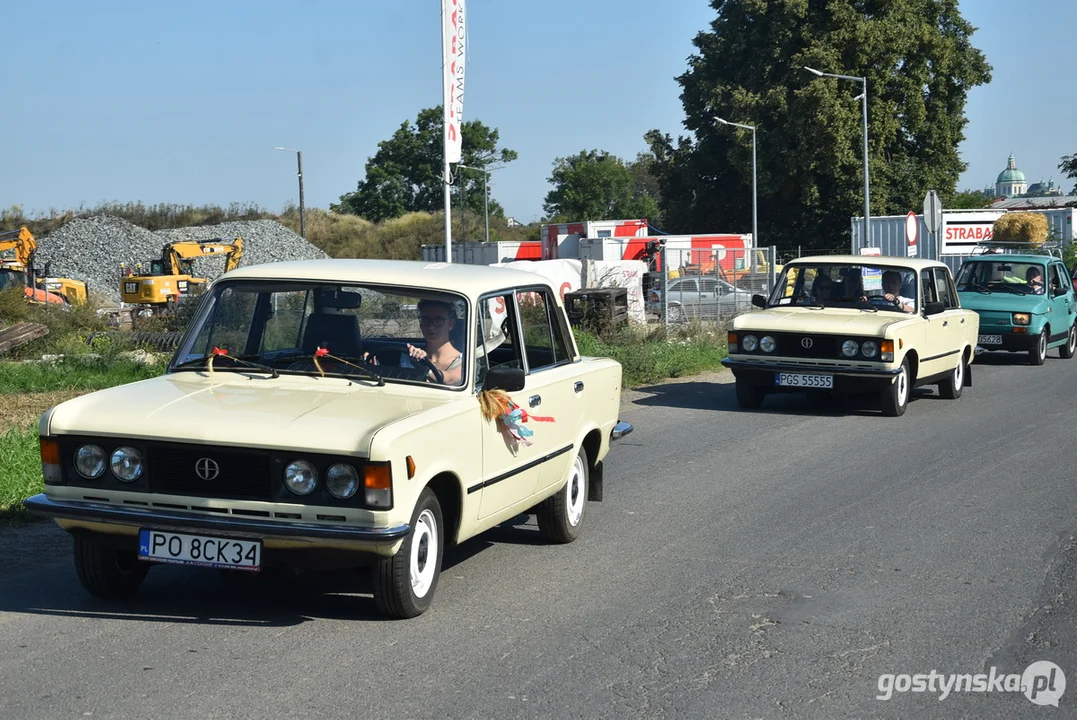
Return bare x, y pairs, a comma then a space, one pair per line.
855, 324
337, 413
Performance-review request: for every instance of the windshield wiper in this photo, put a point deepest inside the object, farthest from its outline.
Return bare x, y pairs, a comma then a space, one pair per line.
978, 287
1009, 288
201, 364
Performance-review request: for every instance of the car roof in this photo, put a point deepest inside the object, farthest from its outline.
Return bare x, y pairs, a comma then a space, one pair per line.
471, 280
914, 263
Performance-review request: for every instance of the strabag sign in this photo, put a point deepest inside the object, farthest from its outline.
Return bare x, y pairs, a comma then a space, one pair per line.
963, 232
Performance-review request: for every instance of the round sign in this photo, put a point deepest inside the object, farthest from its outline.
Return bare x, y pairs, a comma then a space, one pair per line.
912, 227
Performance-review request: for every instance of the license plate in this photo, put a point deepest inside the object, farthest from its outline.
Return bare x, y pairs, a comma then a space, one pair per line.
201, 550
804, 380
990, 340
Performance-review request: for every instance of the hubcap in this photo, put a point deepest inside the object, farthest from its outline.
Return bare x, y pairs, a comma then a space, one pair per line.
959, 375
575, 493
903, 387
1043, 344
424, 553
1073, 339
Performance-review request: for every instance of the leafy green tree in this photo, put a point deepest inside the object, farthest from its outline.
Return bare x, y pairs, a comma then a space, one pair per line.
1068, 165
405, 175
919, 63
968, 200
595, 185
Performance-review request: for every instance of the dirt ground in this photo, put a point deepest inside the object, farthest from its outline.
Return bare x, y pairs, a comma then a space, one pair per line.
22, 410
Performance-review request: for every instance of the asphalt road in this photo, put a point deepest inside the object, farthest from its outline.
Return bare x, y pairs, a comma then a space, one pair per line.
742, 565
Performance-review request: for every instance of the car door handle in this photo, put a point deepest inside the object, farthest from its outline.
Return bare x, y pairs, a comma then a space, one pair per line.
534, 400
945, 323
578, 387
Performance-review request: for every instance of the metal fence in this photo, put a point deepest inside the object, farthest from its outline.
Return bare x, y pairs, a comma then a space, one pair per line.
708, 284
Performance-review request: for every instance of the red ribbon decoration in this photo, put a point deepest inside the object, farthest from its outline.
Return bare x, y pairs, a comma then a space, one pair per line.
219, 351
321, 352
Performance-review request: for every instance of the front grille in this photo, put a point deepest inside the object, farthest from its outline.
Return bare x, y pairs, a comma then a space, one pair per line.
822, 346
241, 475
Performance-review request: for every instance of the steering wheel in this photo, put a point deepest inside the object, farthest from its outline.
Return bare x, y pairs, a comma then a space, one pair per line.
881, 300
424, 363
438, 375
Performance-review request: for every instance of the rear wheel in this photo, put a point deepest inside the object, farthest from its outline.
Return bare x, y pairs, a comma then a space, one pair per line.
106, 572
1067, 351
404, 584
560, 516
1038, 354
675, 314
749, 397
950, 388
896, 398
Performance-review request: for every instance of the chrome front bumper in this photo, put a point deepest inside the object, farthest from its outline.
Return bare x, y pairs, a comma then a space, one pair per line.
229, 526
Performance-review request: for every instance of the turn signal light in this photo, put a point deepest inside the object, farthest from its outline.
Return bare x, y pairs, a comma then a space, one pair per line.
50, 451
732, 342
886, 350
377, 477
411, 467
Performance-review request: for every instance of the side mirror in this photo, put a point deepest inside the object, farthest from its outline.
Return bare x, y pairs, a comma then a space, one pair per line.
759, 301
504, 378
934, 308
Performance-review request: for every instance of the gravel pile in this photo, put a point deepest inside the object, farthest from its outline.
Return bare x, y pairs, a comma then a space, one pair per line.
92, 249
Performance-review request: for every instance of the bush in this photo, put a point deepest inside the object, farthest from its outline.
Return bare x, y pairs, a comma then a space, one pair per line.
68, 326
652, 353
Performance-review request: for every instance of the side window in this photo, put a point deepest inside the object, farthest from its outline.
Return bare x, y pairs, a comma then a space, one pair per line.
927, 283
943, 289
682, 286
708, 285
284, 326
544, 341
1059, 282
497, 343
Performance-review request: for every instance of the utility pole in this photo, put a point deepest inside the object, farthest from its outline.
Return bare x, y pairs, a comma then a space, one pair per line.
302, 218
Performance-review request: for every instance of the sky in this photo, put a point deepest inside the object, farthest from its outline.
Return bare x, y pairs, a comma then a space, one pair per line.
184, 102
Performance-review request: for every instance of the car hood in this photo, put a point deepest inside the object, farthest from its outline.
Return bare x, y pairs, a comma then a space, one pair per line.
1004, 302
830, 320
330, 414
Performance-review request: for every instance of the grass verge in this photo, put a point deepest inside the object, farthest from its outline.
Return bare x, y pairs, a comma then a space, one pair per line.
20, 471
80, 374
649, 355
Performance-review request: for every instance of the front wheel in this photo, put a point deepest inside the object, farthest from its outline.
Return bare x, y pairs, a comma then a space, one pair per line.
1038, 354
951, 388
560, 516
749, 397
1067, 351
404, 584
896, 397
106, 572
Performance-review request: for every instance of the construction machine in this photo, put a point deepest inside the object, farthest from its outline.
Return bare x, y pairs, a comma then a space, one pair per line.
171, 279
19, 271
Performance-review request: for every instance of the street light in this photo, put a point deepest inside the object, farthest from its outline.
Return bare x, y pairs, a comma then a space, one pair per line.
755, 223
864, 101
299, 158
485, 195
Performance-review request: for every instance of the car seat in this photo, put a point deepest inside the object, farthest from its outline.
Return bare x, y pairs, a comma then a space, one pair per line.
336, 332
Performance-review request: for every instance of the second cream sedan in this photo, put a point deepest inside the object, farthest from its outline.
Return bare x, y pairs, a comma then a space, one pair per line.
849, 324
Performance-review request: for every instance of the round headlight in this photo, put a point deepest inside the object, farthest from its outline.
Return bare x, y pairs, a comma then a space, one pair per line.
767, 343
342, 481
90, 461
301, 477
749, 343
127, 464
849, 348
870, 348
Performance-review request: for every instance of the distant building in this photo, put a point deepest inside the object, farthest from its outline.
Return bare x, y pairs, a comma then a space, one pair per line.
1011, 181
1042, 189
512, 222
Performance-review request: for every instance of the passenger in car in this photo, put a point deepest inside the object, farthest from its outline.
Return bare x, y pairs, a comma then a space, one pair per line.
1034, 278
822, 289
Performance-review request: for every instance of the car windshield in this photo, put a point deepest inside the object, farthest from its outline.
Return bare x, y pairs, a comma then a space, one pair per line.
851, 285
995, 276
370, 333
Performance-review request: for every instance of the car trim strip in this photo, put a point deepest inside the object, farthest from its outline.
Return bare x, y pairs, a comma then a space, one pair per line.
795, 367
179, 521
945, 354
517, 471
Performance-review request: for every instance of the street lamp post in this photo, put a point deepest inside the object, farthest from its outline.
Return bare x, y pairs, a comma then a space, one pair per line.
485, 196
755, 206
299, 159
864, 105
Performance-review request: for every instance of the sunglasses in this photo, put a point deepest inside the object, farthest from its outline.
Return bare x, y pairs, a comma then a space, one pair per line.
432, 320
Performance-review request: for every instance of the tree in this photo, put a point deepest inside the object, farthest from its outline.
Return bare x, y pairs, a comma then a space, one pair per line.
968, 200
405, 175
919, 64
595, 185
1069, 166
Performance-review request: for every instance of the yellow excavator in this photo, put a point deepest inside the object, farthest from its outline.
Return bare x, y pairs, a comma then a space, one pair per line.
171, 279
19, 271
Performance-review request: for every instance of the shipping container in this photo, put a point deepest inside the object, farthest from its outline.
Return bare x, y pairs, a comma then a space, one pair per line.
485, 253
722, 249
562, 240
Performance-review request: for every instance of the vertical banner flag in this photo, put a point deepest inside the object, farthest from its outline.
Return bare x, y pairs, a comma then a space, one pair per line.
453, 20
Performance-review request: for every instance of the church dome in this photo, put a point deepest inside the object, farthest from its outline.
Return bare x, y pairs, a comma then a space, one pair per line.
1011, 174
